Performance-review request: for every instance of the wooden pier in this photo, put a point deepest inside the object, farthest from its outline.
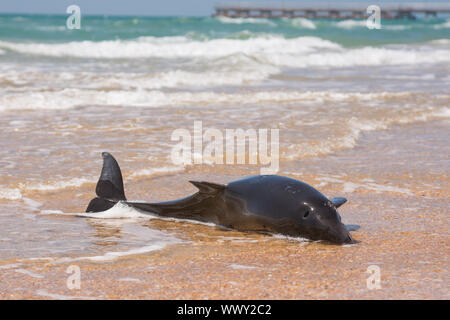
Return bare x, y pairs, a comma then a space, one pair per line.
335, 10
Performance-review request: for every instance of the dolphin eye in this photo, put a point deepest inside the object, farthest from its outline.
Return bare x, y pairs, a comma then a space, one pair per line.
306, 214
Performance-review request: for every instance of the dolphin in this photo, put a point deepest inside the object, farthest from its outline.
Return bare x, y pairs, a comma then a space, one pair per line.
263, 203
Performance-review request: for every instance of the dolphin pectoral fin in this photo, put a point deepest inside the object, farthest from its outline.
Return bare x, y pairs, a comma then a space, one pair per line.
208, 187
339, 201
352, 227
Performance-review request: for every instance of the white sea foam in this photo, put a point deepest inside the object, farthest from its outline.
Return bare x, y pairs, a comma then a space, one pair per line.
350, 186
50, 28
173, 47
16, 193
158, 242
257, 57
366, 56
11, 266
31, 203
119, 211
444, 113
246, 20
378, 188
440, 42
179, 78
300, 240
301, 23
123, 211
156, 171
349, 24
108, 256
125, 218
56, 212
241, 267
130, 280
70, 98
56, 185
444, 25
246, 71
30, 273
354, 128
10, 193
396, 28
45, 293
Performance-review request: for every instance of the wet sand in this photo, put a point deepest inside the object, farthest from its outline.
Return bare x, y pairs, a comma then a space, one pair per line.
397, 184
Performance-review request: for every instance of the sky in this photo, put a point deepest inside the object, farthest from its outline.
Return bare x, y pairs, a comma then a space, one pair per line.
141, 7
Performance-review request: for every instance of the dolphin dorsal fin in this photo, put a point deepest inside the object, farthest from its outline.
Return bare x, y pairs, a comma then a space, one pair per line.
208, 187
110, 183
339, 201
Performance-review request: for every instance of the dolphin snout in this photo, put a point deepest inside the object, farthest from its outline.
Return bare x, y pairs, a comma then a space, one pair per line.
343, 236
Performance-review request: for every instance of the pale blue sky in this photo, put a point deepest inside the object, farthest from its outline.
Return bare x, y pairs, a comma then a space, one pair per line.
138, 7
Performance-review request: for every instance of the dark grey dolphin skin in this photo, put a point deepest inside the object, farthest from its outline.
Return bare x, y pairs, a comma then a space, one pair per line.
265, 203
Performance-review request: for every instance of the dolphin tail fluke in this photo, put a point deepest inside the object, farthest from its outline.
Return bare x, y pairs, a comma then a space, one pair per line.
99, 205
109, 188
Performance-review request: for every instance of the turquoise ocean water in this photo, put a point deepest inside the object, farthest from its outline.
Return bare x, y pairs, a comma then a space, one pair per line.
216, 53
52, 29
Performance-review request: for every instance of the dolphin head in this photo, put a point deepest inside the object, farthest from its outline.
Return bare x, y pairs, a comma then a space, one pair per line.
322, 221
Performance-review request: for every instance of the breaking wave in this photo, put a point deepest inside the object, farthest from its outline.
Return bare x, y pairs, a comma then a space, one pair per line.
272, 50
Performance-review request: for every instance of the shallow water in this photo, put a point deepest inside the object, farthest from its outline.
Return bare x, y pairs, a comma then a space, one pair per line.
361, 113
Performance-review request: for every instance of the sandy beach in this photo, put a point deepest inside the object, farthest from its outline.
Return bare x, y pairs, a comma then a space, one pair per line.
403, 214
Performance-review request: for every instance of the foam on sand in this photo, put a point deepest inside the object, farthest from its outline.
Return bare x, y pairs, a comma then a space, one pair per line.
55, 185
350, 186
241, 267
29, 273
353, 129
123, 211
119, 211
10, 194
156, 171
17, 192
45, 293
125, 217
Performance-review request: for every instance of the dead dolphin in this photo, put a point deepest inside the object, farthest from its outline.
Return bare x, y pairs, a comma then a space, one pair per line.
264, 203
